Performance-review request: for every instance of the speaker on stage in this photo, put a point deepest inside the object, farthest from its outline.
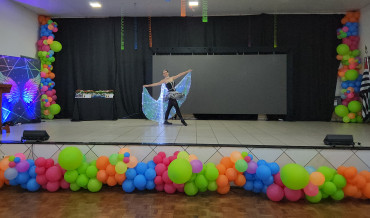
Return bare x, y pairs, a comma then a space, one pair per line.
35, 135
333, 140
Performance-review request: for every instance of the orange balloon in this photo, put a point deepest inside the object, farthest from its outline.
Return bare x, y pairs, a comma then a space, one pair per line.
111, 170
240, 180
192, 157
350, 190
366, 190
1, 183
4, 164
226, 161
358, 194
51, 75
46, 112
350, 172
102, 176
341, 73
235, 155
133, 162
223, 190
231, 174
352, 115
357, 14
124, 150
221, 169
341, 170
7, 182
352, 19
365, 174
120, 178
222, 181
50, 99
2, 177
344, 20
111, 181
317, 178
360, 181
339, 57
102, 162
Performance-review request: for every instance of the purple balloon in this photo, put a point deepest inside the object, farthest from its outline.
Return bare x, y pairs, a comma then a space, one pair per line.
252, 167
22, 166
197, 166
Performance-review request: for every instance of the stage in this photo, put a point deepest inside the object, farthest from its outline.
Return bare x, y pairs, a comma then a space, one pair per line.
274, 141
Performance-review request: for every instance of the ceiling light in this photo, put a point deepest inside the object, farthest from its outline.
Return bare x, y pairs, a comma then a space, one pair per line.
95, 4
193, 3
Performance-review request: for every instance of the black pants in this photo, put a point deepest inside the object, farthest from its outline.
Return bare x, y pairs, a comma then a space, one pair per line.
173, 103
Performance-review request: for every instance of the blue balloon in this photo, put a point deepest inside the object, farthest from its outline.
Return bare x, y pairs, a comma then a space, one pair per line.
23, 178
140, 182
263, 172
150, 185
141, 168
344, 85
251, 156
249, 177
32, 172
248, 186
13, 182
151, 164
17, 159
131, 174
261, 162
275, 168
256, 190
358, 83
126, 154
351, 84
24, 185
257, 184
31, 162
10, 174
268, 181
128, 186
32, 185
264, 189
310, 169
150, 174
357, 89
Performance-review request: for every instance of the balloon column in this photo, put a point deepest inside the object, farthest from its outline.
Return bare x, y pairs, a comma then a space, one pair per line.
46, 47
50, 175
349, 55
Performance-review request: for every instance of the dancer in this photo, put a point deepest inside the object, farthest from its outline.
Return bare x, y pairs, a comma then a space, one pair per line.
173, 95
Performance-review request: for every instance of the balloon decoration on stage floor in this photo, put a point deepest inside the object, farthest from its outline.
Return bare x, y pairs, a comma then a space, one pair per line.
46, 47
182, 172
349, 55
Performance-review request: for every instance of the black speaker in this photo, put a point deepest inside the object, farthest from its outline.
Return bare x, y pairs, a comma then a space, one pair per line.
35, 135
333, 140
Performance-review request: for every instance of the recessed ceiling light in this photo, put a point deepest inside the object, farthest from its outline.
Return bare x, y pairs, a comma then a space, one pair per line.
95, 4
193, 3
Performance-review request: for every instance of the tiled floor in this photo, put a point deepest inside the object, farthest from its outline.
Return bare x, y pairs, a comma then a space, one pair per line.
197, 132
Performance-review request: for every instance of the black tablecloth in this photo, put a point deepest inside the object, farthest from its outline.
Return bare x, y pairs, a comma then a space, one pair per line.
94, 109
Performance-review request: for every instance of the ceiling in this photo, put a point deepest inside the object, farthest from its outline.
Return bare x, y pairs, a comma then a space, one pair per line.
171, 8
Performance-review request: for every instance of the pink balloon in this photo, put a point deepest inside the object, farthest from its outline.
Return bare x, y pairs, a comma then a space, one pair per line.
158, 159
54, 91
41, 179
52, 186
277, 180
160, 187
49, 162
197, 166
42, 74
176, 153
22, 166
49, 93
252, 167
20, 155
345, 29
179, 187
44, 88
44, 37
54, 97
40, 162
166, 161
53, 102
40, 170
64, 184
275, 192
165, 177
158, 180
311, 189
172, 158
12, 164
292, 195
53, 174
47, 104
40, 43
350, 95
169, 188
160, 168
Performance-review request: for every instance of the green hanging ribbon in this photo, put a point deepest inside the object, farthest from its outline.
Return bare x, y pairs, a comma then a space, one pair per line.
275, 31
205, 11
122, 31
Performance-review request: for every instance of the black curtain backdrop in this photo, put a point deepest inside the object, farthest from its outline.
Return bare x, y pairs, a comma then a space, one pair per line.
91, 57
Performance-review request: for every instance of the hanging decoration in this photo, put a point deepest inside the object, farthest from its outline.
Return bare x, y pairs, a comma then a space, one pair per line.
122, 31
183, 8
150, 31
205, 11
349, 55
275, 31
46, 47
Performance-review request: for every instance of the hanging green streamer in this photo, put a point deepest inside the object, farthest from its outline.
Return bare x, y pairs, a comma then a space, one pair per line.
122, 31
275, 31
205, 11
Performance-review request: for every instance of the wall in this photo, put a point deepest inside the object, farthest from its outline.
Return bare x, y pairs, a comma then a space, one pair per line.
365, 30
18, 30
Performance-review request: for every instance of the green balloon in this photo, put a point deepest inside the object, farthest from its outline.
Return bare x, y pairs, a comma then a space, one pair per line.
314, 199
354, 106
82, 180
241, 165
354, 120
201, 182
346, 119
359, 119
82, 169
113, 159
54, 109
179, 171
70, 176
94, 185
329, 188
327, 172
244, 154
93, 163
193, 177
212, 186
203, 189
120, 157
351, 74
338, 195
356, 53
210, 164
70, 158
324, 195
190, 189
50, 116
339, 181
341, 110
74, 187
91, 171
121, 167
342, 49
211, 173
56, 46
294, 176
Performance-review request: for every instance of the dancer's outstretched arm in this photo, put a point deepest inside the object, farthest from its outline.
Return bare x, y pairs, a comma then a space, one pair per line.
181, 74
155, 84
